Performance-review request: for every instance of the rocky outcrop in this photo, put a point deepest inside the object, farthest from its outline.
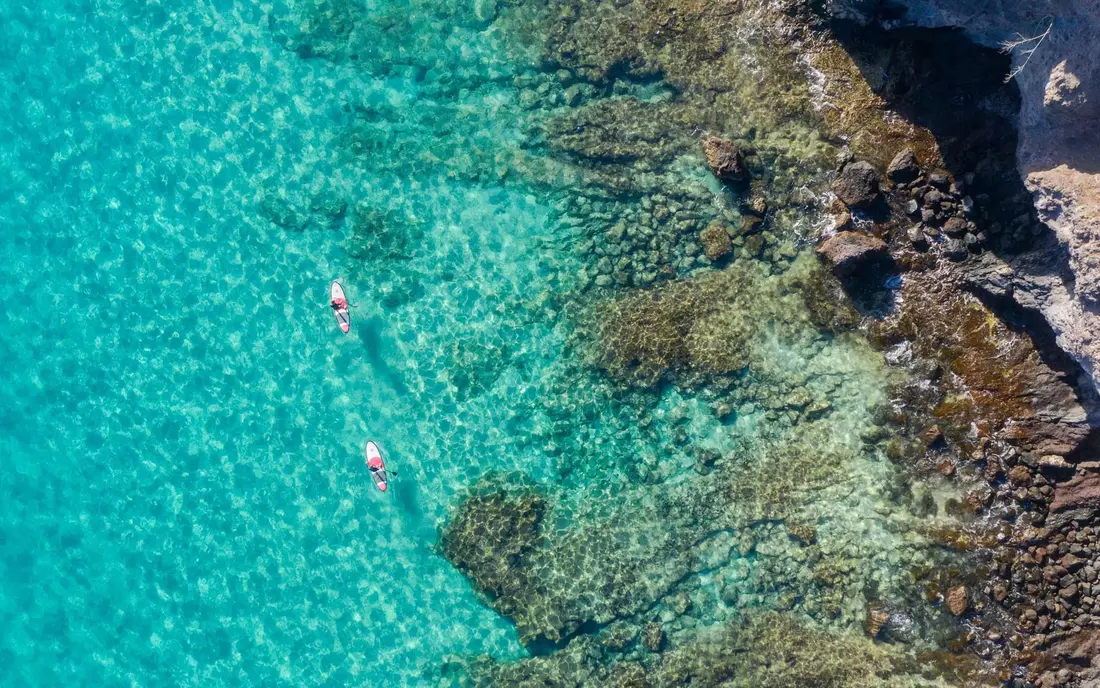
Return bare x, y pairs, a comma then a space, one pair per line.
1058, 149
1077, 499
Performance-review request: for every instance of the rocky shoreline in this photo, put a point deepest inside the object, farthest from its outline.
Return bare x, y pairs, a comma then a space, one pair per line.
890, 146
930, 225
1039, 462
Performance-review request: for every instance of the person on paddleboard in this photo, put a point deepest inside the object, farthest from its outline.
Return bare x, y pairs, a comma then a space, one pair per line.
339, 304
377, 467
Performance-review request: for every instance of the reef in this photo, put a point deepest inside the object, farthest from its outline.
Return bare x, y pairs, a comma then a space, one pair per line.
763, 649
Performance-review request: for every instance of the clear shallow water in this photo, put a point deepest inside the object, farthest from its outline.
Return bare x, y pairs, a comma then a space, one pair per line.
182, 499
182, 494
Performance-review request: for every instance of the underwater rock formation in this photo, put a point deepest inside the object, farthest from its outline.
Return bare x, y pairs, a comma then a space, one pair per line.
762, 650
701, 327
716, 241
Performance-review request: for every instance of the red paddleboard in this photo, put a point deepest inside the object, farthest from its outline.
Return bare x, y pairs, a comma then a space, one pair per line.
339, 304
377, 466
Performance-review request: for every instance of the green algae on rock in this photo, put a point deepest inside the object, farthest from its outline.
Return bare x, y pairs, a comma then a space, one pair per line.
712, 324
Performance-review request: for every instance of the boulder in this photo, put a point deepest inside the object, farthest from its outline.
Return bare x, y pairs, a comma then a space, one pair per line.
955, 226
904, 167
845, 252
875, 620
724, 159
716, 241
858, 185
1020, 476
1076, 499
958, 600
954, 248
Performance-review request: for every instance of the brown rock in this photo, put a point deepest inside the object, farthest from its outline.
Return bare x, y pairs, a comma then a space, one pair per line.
1071, 563
875, 620
932, 435
955, 226
847, 251
802, 532
958, 600
1020, 476
1075, 499
724, 159
857, 186
716, 241
904, 167
750, 224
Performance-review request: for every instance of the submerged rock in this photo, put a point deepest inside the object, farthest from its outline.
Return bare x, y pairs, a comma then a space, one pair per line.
761, 650
653, 637
716, 241
876, 620
845, 252
958, 600
724, 159
857, 186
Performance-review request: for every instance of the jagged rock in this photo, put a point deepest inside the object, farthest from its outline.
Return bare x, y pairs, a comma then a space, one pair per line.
845, 252
1076, 499
958, 600
716, 241
724, 159
904, 167
858, 185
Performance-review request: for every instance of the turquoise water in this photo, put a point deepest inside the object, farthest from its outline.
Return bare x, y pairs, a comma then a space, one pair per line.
183, 500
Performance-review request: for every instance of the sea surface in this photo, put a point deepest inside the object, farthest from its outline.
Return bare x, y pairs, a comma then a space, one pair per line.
183, 500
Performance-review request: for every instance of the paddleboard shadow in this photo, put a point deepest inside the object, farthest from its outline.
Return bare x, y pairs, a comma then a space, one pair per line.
370, 334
